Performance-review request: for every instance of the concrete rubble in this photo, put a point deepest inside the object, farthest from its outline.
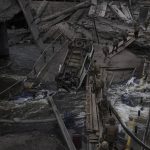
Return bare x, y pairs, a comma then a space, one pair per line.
52, 47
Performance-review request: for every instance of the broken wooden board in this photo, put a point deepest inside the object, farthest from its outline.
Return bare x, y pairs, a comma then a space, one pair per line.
123, 46
91, 110
101, 9
119, 13
94, 114
47, 26
67, 30
126, 11
87, 107
120, 69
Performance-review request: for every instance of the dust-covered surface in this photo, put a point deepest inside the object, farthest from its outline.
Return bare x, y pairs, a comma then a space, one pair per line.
33, 106
129, 98
73, 104
8, 8
31, 141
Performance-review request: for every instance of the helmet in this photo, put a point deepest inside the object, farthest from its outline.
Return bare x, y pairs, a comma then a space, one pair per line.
105, 145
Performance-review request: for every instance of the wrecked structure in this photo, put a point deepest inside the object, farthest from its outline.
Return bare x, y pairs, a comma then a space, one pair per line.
74, 64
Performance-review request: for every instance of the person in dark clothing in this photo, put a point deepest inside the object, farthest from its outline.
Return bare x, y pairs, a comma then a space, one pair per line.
146, 23
115, 45
124, 36
136, 30
106, 51
110, 132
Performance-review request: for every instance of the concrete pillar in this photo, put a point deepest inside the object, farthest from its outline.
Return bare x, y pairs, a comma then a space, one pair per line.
4, 49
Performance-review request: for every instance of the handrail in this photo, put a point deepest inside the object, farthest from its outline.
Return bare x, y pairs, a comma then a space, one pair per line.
18, 82
137, 140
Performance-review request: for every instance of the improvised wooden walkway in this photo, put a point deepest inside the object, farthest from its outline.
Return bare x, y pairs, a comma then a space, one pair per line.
122, 46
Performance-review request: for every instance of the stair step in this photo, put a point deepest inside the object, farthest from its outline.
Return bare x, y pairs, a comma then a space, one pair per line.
71, 64
75, 61
76, 52
77, 57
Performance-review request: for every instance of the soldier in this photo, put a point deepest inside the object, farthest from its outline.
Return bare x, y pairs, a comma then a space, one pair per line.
106, 51
110, 132
103, 146
115, 45
44, 56
147, 23
124, 36
53, 48
136, 30
95, 68
99, 85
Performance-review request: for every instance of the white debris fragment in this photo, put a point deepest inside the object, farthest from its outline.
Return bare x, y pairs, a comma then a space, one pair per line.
132, 88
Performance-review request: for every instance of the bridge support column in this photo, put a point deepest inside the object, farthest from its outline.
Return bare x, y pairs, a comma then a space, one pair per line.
4, 48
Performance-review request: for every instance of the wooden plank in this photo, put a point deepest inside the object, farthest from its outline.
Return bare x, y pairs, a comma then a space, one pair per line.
42, 8
61, 125
94, 114
119, 13
101, 9
69, 10
122, 47
126, 11
91, 109
87, 106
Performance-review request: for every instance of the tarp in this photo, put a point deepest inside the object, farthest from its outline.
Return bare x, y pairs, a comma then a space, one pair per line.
8, 8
